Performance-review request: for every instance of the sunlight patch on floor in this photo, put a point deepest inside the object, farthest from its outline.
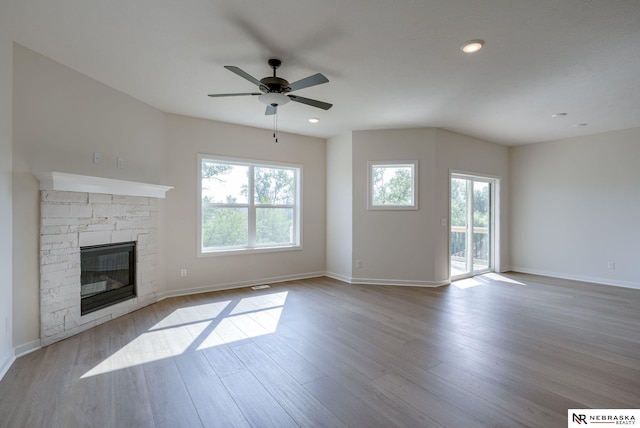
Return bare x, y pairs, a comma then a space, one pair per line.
483, 280
498, 277
191, 314
148, 347
199, 327
467, 283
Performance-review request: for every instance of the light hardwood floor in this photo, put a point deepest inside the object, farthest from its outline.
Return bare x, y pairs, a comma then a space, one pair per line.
497, 350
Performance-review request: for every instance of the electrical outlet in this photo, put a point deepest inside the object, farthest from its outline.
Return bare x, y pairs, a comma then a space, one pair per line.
611, 265
97, 157
183, 272
120, 163
358, 264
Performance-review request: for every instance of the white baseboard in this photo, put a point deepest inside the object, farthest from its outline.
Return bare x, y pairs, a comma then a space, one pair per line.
562, 275
398, 282
5, 363
27, 348
241, 284
338, 276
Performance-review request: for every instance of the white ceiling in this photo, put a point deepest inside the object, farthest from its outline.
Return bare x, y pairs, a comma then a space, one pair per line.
391, 63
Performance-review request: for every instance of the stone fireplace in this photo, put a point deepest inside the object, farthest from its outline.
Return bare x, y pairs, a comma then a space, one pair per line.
78, 212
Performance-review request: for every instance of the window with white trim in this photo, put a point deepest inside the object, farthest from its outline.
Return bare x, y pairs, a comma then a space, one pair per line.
393, 185
248, 205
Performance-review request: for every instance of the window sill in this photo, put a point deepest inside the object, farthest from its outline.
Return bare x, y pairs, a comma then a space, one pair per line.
246, 251
392, 208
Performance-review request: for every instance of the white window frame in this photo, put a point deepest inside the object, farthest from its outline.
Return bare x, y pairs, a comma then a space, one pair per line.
252, 247
413, 164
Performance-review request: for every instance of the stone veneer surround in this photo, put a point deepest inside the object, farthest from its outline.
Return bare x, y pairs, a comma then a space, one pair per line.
70, 220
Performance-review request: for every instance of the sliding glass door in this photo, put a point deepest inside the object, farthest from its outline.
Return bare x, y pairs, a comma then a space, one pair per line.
472, 225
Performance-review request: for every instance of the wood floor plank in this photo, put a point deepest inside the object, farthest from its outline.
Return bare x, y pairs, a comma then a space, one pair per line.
341, 352
342, 373
258, 406
295, 364
345, 405
298, 403
532, 413
171, 403
15, 387
223, 361
211, 399
444, 413
50, 389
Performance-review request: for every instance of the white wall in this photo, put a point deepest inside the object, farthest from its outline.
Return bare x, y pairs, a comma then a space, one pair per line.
575, 207
395, 247
185, 138
60, 118
6, 213
339, 207
468, 154
412, 247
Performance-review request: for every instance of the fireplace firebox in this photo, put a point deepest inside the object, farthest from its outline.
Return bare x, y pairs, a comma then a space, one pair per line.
107, 275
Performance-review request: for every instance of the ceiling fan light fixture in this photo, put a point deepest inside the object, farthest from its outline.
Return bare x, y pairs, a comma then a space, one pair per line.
274, 99
472, 46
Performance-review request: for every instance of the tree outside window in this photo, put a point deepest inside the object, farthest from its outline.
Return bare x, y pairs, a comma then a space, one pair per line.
392, 185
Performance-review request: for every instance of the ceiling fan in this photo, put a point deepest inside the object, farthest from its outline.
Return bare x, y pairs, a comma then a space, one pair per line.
274, 91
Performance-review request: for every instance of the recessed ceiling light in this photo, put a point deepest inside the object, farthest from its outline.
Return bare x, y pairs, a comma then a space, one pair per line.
579, 125
559, 115
314, 120
472, 46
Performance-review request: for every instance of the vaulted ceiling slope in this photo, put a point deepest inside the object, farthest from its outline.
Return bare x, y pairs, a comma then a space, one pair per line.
391, 64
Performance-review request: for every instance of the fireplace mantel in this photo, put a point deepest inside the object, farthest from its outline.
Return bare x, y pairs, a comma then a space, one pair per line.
62, 181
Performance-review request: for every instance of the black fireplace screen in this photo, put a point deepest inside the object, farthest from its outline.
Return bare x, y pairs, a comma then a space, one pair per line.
107, 275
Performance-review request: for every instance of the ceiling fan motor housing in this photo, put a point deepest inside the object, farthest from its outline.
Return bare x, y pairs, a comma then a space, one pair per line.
275, 84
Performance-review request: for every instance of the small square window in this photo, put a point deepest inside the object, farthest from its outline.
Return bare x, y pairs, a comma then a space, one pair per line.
393, 185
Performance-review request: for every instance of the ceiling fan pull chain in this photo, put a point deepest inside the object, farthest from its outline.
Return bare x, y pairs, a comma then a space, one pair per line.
275, 126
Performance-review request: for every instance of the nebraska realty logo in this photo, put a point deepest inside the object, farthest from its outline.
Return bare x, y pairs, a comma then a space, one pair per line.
603, 417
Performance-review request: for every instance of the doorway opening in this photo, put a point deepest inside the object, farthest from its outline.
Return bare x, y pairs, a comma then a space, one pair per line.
472, 220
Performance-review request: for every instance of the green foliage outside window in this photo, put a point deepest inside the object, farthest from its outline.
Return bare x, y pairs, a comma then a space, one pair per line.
226, 192
392, 185
459, 210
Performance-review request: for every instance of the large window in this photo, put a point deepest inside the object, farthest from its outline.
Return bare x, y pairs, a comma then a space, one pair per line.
393, 185
248, 205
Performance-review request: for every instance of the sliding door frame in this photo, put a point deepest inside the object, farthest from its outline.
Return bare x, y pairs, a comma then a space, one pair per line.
494, 222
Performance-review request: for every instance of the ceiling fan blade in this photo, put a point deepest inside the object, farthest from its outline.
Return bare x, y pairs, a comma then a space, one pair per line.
271, 110
316, 79
309, 101
244, 75
235, 95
